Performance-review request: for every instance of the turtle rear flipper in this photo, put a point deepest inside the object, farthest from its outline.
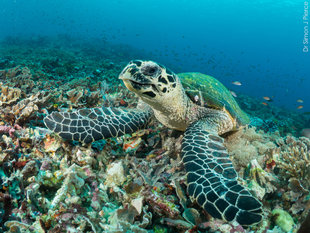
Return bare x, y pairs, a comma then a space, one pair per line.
211, 178
92, 124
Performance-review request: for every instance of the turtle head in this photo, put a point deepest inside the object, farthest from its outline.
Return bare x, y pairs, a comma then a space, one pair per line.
152, 82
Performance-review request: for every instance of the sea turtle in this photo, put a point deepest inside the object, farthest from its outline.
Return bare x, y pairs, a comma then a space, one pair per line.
192, 102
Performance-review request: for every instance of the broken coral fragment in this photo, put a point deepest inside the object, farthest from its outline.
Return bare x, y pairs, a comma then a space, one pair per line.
123, 220
9, 95
74, 95
52, 144
72, 184
260, 178
115, 174
138, 204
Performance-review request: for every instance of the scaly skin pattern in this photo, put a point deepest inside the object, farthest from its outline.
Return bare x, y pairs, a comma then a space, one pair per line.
92, 124
212, 180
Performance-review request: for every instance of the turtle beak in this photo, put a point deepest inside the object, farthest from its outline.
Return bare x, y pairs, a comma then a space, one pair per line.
133, 79
128, 84
125, 77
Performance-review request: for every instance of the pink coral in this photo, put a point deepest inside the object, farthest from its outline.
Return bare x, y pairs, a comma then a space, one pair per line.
7, 129
11, 131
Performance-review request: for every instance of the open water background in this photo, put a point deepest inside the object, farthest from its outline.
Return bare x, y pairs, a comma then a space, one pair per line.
258, 43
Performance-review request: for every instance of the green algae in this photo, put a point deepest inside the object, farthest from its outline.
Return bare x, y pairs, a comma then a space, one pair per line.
283, 219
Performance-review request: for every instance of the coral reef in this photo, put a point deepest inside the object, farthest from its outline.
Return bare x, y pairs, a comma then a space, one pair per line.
134, 183
9, 95
272, 118
248, 144
293, 161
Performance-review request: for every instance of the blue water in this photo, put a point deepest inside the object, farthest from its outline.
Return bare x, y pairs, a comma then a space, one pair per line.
258, 43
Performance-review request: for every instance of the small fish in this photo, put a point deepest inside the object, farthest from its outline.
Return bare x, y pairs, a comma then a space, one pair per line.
264, 103
233, 93
300, 107
299, 101
266, 98
237, 83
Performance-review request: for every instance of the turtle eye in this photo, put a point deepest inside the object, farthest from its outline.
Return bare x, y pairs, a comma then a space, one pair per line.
149, 70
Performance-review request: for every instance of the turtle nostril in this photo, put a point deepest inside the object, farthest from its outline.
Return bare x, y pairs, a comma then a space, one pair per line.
149, 70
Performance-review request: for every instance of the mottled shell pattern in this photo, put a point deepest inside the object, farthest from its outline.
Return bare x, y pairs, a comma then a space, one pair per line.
204, 90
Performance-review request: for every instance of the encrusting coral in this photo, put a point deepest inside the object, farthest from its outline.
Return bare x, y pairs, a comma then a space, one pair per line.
248, 144
293, 160
9, 95
135, 183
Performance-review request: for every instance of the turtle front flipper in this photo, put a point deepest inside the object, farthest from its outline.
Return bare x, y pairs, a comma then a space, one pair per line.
211, 178
92, 124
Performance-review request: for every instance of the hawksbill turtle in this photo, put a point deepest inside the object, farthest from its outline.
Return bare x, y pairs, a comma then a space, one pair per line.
192, 102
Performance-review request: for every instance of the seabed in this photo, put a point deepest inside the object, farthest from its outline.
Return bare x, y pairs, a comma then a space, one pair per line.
134, 183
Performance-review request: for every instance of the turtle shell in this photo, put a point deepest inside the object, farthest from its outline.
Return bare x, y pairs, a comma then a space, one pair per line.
208, 92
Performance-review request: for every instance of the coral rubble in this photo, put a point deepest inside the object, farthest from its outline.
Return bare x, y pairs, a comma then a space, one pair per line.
134, 183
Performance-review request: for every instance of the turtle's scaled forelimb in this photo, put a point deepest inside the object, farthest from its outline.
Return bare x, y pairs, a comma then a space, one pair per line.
212, 180
91, 124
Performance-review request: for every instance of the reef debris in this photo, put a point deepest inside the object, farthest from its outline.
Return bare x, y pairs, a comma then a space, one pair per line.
134, 183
